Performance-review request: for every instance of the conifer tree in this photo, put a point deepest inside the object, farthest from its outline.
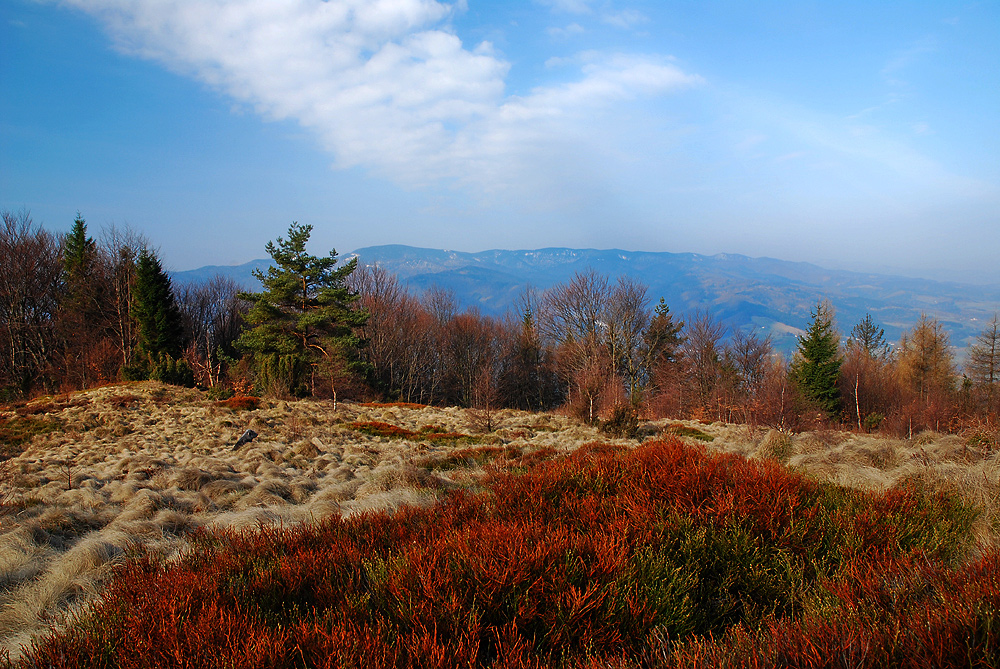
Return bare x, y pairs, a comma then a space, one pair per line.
81, 276
158, 319
925, 361
662, 338
304, 319
79, 318
816, 367
870, 338
865, 372
79, 253
983, 364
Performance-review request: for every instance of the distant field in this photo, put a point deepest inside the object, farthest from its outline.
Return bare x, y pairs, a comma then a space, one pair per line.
93, 477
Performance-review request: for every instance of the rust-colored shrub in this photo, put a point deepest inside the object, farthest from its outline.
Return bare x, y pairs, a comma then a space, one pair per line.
664, 555
426, 433
240, 403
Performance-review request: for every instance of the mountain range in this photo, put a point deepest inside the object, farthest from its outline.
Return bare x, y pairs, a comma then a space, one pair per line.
769, 295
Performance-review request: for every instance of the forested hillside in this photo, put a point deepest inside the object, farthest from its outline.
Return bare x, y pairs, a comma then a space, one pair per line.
79, 312
774, 296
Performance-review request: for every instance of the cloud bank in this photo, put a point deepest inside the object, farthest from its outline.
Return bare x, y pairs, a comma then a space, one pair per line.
385, 85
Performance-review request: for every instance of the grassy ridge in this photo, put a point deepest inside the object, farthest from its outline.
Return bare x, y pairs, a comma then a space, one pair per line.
660, 556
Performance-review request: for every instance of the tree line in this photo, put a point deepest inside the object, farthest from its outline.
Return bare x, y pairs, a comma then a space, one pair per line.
78, 312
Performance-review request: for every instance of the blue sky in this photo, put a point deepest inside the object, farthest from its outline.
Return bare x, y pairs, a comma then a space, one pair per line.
861, 135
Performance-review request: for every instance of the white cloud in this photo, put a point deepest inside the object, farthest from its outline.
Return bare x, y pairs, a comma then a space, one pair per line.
625, 19
570, 6
568, 31
604, 10
384, 84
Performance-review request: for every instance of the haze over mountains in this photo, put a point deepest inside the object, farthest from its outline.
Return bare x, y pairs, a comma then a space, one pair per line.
772, 296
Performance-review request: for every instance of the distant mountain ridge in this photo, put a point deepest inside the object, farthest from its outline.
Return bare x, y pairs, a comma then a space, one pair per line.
773, 296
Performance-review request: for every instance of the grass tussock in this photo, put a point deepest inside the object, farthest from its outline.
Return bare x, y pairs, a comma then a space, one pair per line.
17, 430
661, 556
681, 430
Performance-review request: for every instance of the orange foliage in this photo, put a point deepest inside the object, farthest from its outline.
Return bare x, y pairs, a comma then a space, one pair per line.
240, 402
661, 556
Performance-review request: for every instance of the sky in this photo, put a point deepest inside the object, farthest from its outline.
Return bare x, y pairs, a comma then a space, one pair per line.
858, 135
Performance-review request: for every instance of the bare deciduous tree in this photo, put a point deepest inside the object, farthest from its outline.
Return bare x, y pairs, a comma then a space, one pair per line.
866, 375
121, 247
213, 318
748, 356
702, 351
628, 319
30, 289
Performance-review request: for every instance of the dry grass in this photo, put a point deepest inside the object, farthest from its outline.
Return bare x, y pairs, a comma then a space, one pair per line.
144, 464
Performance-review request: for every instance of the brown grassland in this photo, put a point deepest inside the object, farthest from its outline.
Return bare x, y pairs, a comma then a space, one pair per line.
120, 484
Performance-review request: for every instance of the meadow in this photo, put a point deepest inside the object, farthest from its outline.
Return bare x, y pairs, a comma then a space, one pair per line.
133, 534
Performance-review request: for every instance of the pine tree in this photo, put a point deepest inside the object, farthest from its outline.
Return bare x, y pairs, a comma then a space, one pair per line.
816, 367
158, 319
870, 338
304, 320
865, 372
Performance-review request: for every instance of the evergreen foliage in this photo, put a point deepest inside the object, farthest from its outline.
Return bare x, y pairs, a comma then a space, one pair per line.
663, 337
80, 259
870, 338
158, 319
79, 255
81, 320
816, 367
531, 381
304, 320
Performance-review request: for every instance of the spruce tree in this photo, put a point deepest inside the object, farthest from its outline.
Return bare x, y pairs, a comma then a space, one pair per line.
79, 252
816, 367
662, 339
304, 320
81, 275
158, 319
79, 319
